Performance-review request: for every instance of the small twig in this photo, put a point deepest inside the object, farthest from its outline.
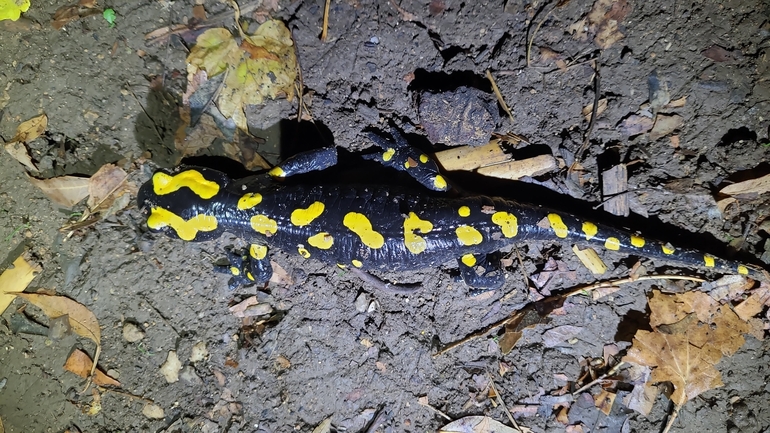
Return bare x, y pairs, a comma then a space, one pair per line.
521, 268
502, 403
442, 414
611, 371
614, 283
326, 21
154, 126
129, 395
672, 418
532, 39
499, 95
473, 336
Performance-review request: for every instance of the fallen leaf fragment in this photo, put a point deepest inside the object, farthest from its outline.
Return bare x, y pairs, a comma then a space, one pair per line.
686, 355
11, 10
104, 184
476, 424
66, 191
68, 13
171, 368
604, 18
587, 111
14, 280
614, 188
250, 307
665, 124
81, 319
81, 364
30, 129
263, 66
324, 427
635, 125
748, 188
20, 153
719, 54
754, 304
604, 401
590, 259
515, 170
560, 335
199, 352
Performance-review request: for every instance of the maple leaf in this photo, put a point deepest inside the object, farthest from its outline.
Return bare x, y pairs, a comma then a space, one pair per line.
691, 333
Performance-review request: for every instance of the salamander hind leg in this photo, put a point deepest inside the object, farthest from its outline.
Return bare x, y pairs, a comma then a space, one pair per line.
246, 269
481, 273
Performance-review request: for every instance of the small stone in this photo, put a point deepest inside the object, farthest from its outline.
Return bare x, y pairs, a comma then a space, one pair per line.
170, 369
362, 303
199, 352
189, 375
132, 333
153, 411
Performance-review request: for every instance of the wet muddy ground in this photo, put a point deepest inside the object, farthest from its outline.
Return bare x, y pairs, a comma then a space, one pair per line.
340, 349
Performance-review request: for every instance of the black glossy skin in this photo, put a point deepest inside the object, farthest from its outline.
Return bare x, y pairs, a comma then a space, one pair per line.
387, 209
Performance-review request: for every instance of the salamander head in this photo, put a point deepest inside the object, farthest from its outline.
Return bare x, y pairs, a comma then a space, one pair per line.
184, 204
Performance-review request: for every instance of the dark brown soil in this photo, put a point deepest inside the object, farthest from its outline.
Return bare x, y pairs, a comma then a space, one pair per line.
93, 82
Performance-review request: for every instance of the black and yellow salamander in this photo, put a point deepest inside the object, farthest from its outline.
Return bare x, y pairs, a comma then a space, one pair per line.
377, 228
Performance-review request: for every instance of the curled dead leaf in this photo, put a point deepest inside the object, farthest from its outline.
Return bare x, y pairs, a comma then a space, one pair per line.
81, 364
66, 191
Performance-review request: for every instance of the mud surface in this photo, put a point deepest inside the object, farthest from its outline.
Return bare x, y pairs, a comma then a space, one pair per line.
341, 350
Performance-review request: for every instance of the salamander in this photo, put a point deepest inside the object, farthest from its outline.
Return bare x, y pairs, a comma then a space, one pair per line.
372, 227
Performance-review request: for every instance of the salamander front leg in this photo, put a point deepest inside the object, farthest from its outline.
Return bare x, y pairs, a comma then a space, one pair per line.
399, 155
247, 269
311, 160
480, 273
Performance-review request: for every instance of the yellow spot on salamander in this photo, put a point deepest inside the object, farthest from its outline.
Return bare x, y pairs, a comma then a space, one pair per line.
612, 244
341, 266
249, 276
388, 154
508, 223
439, 182
424, 158
558, 226
708, 261
407, 165
264, 225
322, 241
234, 271
356, 263
303, 252
590, 230
464, 211
743, 270
667, 249
359, 224
249, 200
258, 251
163, 184
467, 235
468, 260
277, 172
414, 243
186, 230
637, 241
303, 217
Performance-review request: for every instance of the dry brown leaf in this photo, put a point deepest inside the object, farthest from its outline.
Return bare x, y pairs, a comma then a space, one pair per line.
14, 280
614, 188
560, 335
665, 124
65, 14
470, 158
81, 319
754, 304
514, 170
66, 191
280, 276
106, 185
686, 357
751, 187
604, 401
635, 125
20, 153
324, 427
30, 129
677, 103
250, 307
604, 18
81, 364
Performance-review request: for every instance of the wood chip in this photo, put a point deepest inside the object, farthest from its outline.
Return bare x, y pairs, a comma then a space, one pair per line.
615, 184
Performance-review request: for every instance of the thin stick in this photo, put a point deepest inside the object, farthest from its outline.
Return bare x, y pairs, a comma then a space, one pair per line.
582, 290
326, 21
612, 371
499, 95
532, 39
672, 418
502, 403
445, 416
